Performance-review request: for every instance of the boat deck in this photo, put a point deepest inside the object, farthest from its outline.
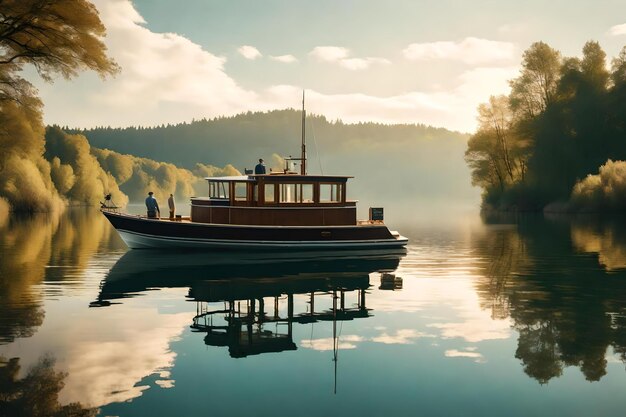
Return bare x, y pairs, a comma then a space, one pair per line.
187, 219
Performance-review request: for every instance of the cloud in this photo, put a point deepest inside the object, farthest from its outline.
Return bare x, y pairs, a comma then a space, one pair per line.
286, 59
190, 82
454, 108
249, 52
330, 53
193, 83
473, 51
341, 56
355, 64
618, 30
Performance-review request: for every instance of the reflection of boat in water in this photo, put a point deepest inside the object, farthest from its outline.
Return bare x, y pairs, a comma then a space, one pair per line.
137, 271
284, 210
246, 302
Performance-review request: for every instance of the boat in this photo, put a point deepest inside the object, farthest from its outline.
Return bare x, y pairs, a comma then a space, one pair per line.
285, 210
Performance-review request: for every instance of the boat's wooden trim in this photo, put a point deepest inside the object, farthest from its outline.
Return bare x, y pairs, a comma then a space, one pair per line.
275, 216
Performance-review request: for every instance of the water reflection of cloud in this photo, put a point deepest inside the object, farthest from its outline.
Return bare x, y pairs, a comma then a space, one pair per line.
324, 344
475, 329
104, 353
464, 317
400, 337
130, 351
467, 353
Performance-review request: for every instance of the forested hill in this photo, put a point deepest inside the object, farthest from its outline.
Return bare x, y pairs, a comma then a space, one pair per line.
410, 166
244, 138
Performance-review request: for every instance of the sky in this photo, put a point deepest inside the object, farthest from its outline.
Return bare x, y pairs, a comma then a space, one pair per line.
393, 61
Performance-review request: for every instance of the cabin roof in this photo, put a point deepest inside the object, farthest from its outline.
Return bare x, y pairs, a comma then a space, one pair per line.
231, 178
281, 178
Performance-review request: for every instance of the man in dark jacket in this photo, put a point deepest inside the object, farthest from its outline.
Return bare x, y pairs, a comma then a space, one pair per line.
152, 206
260, 168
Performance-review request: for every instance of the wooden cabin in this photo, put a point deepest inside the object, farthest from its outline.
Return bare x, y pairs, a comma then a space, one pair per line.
284, 199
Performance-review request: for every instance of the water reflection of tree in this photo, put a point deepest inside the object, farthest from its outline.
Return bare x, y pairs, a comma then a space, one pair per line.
30, 243
37, 393
565, 305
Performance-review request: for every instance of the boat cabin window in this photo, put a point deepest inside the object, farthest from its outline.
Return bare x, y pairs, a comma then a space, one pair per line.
219, 190
330, 193
306, 193
295, 193
241, 191
269, 193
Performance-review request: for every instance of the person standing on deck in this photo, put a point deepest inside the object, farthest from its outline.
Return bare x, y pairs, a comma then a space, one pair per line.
152, 206
172, 205
260, 168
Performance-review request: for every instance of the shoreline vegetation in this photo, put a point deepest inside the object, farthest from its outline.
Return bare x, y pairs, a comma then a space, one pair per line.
44, 169
557, 142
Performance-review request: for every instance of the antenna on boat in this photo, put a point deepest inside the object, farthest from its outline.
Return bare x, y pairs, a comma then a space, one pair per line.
303, 156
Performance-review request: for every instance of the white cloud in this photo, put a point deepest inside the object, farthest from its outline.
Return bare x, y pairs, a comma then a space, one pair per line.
618, 30
454, 108
165, 78
341, 56
473, 51
286, 59
330, 53
249, 52
356, 64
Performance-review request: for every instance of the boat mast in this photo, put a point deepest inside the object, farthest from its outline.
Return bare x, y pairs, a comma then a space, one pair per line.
303, 156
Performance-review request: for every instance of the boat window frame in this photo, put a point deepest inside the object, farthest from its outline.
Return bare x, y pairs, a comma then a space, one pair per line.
298, 192
338, 193
238, 186
219, 190
272, 194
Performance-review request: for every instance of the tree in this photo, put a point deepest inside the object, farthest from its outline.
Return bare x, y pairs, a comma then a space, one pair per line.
497, 153
482, 156
496, 117
593, 66
535, 88
618, 67
56, 37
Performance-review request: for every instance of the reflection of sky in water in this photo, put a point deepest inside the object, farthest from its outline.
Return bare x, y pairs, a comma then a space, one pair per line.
464, 334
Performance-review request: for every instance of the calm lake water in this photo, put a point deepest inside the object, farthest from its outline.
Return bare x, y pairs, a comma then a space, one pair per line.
507, 316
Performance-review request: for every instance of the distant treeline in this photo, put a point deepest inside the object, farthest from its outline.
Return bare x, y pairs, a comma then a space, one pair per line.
409, 165
244, 138
559, 137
